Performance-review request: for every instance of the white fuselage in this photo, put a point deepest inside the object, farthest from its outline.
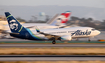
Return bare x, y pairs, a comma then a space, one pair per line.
74, 32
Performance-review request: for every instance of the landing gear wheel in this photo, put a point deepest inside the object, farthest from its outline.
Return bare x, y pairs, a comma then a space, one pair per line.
89, 39
53, 42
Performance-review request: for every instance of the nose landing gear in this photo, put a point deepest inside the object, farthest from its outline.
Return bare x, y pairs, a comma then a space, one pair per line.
89, 39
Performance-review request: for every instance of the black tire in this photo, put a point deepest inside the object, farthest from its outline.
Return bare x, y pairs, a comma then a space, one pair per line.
89, 40
53, 42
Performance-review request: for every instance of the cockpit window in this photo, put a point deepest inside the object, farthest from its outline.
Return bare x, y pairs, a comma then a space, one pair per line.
92, 29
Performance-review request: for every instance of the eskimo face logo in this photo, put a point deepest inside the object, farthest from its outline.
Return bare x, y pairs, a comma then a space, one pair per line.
13, 25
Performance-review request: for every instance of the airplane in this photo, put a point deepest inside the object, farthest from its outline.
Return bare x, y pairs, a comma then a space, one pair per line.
58, 21
63, 34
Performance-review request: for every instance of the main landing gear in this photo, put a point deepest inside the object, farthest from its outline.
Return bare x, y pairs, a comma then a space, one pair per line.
89, 39
53, 42
76, 39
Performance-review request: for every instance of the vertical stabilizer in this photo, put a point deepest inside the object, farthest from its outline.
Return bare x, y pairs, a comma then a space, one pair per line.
61, 19
14, 25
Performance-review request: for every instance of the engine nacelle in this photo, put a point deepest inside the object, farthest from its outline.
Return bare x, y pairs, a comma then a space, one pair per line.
66, 38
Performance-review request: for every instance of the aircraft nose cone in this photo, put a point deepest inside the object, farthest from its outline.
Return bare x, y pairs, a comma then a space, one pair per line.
98, 32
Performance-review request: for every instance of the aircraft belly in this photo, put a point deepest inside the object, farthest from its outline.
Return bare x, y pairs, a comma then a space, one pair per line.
41, 36
84, 36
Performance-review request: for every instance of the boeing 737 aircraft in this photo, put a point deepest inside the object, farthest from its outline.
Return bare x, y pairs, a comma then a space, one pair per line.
63, 34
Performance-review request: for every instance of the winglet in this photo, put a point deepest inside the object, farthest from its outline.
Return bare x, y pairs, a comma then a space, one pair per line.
37, 29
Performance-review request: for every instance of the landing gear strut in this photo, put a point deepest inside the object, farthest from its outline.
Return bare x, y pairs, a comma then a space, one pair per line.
89, 39
53, 42
76, 39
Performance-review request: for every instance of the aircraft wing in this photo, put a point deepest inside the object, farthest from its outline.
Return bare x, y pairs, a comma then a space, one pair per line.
5, 32
50, 36
15, 33
30, 27
64, 26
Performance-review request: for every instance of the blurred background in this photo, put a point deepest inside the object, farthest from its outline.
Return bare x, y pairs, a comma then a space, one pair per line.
86, 13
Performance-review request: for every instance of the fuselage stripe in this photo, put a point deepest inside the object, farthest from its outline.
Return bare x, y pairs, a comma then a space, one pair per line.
33, 34
36, 36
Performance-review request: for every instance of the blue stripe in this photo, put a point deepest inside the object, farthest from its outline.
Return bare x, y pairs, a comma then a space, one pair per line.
34, 36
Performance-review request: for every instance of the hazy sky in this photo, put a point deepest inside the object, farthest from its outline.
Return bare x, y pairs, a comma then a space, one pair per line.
85, 3
88, 3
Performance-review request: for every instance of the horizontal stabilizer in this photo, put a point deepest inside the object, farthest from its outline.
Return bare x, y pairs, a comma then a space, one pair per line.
15, 33
30, 27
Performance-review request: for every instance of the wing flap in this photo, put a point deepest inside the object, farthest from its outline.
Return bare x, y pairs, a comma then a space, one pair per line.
50, 36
